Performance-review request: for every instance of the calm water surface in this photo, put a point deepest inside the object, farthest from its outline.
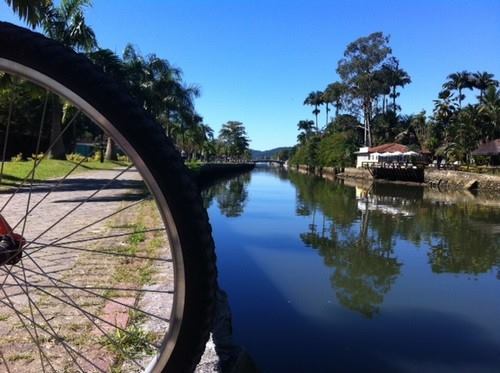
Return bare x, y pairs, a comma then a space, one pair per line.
326, 277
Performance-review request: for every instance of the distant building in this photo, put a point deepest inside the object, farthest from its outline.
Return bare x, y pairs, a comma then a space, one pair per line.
367, 155
490, 149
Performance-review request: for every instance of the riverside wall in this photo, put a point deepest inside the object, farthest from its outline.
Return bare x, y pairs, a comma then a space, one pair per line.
448, 179
209, 173
442, 179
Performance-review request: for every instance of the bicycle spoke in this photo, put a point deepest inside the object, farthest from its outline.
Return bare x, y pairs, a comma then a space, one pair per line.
32, 302
19, 314
103, 252
6, 139
90, 316
56, 337
59, 183
83, 228
113, 236
19, 187
32, 316
4, 362
80, 204
88, 290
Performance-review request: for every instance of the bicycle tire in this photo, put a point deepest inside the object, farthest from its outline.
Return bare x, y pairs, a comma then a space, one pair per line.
36, 58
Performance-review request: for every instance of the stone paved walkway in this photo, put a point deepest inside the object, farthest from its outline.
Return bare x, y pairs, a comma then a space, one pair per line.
103, 320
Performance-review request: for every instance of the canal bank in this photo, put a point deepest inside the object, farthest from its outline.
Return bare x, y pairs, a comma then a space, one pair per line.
443, 179
208, 173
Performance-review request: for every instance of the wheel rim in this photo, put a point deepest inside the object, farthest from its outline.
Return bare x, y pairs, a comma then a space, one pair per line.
29, 280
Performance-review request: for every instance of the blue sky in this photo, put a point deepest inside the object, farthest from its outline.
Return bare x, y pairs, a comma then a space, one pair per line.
256, 61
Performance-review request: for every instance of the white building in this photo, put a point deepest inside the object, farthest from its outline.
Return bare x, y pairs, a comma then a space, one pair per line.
367, 156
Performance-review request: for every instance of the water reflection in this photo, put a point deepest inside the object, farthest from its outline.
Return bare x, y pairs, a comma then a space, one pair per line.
355, 230
340, 276
231, 195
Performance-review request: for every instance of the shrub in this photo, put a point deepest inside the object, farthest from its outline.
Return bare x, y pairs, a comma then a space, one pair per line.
123, 158
17, 158
97, 156
75, 157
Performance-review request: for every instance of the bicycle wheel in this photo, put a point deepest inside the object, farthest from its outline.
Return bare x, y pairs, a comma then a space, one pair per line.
103, 266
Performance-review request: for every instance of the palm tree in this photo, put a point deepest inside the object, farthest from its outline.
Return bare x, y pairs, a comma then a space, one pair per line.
66, 23
334, 94
458, 81
159, 88
32, 12
482, 80
112, 65
394, 77
490, 107
234, 138
305, 128
315, 99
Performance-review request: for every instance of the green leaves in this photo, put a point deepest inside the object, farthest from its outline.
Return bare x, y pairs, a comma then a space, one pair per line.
30, 11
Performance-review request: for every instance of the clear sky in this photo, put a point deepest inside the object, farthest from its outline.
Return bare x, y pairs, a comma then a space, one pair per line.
257, 60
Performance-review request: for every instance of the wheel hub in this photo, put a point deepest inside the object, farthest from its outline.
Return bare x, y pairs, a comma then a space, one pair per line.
11, 244
10, 250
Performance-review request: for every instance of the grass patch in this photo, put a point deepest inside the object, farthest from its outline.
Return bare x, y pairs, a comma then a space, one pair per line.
132, 343
20, 356
194, 165
14, 172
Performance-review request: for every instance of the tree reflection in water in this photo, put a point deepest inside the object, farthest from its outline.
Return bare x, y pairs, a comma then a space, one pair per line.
231, 195
362, 227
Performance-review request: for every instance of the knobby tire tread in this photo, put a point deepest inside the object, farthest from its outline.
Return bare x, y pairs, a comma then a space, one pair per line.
76, 72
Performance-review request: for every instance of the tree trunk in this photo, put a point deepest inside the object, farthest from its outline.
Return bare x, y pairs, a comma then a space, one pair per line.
327, 110
394, 98
57, 151
367, 115
110, 150
316, 114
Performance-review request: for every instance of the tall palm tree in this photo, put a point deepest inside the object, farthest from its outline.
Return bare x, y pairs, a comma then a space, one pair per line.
490, 107
112, 65
458, 81
315, 99
66, 23
32, 12
334, 94
234, 138
394, 77
482, 80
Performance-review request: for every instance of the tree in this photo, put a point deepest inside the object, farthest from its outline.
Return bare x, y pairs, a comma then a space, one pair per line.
315, 99
66, 24
158, 86
362, 58
394, 77
32, 12
489, 106
233, 138
483, 80
305, 128
334, 94
337, 150
459, 81
112, 65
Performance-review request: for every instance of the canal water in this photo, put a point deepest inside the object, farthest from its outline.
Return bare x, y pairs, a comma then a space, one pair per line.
323, 276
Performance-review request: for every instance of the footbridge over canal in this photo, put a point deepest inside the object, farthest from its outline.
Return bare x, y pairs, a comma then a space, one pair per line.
269, 161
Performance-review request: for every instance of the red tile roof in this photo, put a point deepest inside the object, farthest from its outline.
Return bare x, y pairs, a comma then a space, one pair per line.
388, 148
489, 148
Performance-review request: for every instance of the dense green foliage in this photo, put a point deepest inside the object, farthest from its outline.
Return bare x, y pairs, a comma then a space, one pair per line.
367, 112
151, 80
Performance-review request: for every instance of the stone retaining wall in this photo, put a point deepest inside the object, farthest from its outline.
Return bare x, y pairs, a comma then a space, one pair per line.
461, 180
356, 173
211, 172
